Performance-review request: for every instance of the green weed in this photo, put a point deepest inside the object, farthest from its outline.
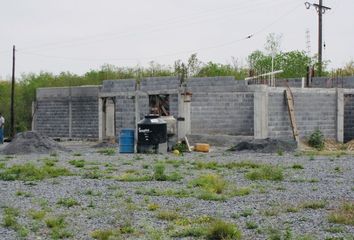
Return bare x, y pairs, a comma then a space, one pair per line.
266, 172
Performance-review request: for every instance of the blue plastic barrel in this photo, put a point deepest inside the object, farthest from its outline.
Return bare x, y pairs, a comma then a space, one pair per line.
126, 140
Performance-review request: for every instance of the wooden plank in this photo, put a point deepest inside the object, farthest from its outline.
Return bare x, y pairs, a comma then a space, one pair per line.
290, 102
187, 143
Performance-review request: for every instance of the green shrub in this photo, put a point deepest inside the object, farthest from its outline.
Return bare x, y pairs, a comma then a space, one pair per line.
317, 140
220, 230
159, 172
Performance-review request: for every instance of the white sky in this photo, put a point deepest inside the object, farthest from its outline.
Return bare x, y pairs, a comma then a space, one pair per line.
79, 35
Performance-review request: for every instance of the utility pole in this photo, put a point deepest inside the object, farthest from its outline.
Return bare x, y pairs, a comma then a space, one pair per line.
320, 10
12, 121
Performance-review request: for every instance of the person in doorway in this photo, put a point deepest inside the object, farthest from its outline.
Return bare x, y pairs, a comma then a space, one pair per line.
2, 124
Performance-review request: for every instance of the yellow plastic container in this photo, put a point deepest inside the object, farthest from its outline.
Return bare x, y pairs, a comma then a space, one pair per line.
202, 147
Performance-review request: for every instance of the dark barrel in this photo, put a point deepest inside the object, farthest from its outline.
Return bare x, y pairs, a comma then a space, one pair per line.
126, 140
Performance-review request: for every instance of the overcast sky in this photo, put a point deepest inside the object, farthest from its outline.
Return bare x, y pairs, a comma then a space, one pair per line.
79, 35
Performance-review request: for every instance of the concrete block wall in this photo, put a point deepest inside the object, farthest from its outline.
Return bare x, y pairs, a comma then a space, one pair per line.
159, 84
213, 84
67, 112
291, 82
126, 85
348, 117
125, 112
222, 113
332, 82
52, 117
314, 108
84, 117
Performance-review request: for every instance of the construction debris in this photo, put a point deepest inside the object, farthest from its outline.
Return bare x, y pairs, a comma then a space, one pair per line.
32, 142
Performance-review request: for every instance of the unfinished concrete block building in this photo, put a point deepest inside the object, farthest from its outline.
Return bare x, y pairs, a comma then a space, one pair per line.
216, 106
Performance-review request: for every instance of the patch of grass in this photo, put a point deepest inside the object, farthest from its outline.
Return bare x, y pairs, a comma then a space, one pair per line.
106, 234
107, 151
314, 204
169, 192
37, 214
280, 152
23, 194
68, 202
91, 192
55, 222
210, 182
191, 231
77, 154
2, 165
50, 162
159, 172
153, 206
266, 172
242, 164
10, 221
251, 225
343, 215
220, 230
246, 212
94, 174
207, 165
297, 166
30, 172
167, 215
335, 229
57, 226
79, 163
133, 176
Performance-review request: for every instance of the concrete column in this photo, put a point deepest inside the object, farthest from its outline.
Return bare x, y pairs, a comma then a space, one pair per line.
100, 119
340, 115
261, 112
70, 118
184, 115
33, 125
110, 126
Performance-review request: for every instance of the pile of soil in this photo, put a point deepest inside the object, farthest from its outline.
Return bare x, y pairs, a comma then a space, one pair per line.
266, 146
32, 142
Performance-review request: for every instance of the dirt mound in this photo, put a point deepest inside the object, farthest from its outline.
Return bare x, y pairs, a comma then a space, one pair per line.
266, 146
32, 142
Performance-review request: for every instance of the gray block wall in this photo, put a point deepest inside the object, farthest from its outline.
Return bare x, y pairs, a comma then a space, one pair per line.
52, 117
160, 84
84, 117
222, 113
126, 85
214, 84
125, 112
348, 117
313, 109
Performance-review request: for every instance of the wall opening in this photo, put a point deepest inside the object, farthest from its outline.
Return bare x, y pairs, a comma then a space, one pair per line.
159, 104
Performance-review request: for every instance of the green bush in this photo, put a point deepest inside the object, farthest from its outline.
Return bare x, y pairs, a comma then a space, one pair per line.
317, 140
159, 172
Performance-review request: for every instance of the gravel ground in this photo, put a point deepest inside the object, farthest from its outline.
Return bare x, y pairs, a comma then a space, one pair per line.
103, 201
